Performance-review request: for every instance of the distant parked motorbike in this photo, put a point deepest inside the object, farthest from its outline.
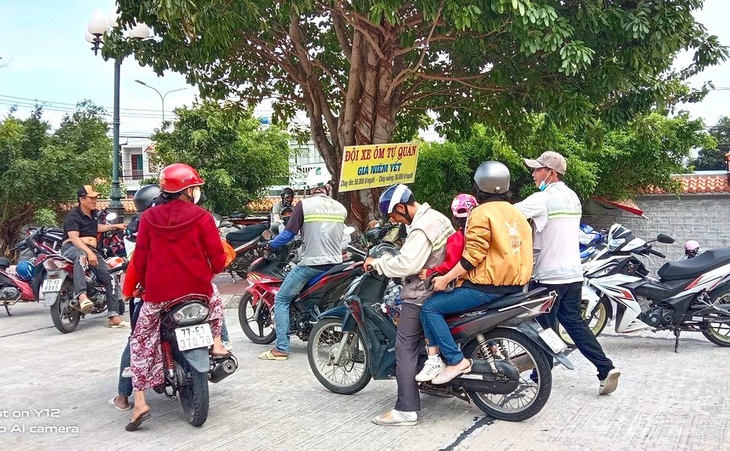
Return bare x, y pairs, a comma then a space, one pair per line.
690, 295
355, 342
186, 339
265, 276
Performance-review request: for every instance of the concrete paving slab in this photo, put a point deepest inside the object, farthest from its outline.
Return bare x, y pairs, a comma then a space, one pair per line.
665, 401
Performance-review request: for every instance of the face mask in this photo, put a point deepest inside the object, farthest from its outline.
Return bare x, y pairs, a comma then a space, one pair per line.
543, 184
196, 195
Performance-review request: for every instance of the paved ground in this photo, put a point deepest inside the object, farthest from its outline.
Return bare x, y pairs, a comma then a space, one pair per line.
664, 401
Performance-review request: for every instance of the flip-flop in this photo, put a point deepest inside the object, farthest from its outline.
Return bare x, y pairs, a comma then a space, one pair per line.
448, 375
223, 356
132, 425
121, 325
269, 356
111, 403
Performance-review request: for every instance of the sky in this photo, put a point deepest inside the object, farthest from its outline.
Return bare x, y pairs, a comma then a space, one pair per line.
48, 61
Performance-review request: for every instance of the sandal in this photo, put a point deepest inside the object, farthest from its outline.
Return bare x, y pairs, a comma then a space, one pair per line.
222, 356
450, 373
122, 324
269, 355
134, 424
113, 404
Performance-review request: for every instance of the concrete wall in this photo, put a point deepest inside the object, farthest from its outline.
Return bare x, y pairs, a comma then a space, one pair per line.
701, 217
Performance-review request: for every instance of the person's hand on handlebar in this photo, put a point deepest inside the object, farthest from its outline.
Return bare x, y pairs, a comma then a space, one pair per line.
368, 264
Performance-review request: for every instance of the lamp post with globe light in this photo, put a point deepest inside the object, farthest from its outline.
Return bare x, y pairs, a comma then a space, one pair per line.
99, 25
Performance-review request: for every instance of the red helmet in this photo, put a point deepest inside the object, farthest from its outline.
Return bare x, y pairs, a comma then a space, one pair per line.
177, 177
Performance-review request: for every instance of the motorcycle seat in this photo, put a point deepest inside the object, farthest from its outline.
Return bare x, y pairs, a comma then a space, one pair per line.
662, 290
695, 267
504, 301
245, 234
332, 270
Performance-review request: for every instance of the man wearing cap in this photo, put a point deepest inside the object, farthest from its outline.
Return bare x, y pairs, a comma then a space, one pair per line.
555, 212
79, 240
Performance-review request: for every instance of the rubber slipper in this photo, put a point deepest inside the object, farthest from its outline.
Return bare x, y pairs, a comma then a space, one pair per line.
222, 356
269, 356
111, 403
132, 425
121, 325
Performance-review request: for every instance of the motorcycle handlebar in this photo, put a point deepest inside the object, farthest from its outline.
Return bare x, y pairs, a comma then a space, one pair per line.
657, 253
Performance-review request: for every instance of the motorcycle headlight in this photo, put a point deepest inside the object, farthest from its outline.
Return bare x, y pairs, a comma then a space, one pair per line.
190, 313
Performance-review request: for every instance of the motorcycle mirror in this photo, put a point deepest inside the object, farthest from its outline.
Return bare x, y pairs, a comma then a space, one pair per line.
666, 239
349, 230
266, 234
111, 217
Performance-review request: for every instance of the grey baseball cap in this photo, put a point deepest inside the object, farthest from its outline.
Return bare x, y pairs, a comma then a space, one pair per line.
551, 160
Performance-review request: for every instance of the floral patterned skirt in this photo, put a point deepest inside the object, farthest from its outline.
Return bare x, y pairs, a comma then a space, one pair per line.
145, 349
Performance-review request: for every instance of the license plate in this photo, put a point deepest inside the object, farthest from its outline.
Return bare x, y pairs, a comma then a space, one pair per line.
553, 340
193, 337
51, 285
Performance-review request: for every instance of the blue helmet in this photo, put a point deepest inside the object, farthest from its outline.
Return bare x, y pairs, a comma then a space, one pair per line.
396, 194
25, 270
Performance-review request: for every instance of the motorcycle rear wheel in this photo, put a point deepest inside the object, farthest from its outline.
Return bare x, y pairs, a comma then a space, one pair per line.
195, 398
517, 346
719, 333
64, 317
596, 322
246, 311
348, 377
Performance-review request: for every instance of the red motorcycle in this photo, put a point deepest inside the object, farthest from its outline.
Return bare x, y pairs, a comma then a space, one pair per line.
23, 285
321, 293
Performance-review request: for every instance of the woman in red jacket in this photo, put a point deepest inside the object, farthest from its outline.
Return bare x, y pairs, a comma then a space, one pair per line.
178, 252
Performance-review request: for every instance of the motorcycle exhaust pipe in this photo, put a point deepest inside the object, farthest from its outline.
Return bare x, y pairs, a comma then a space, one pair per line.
222, 368
73, 303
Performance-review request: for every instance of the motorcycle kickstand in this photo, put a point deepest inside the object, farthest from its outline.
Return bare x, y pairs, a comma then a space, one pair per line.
7, 309
676, 341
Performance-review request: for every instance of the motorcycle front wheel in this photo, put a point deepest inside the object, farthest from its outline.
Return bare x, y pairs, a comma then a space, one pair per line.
351, 374
258, 328
195, 398
64, 317
534, 387
596, 320
719, 333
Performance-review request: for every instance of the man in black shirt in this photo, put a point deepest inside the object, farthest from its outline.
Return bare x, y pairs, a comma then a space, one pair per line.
79, 240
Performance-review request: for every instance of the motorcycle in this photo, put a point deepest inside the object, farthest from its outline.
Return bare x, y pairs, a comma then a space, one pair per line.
590, 241
244, 240
265, 276
111, 243
186, 338
689, 295
13, 288
355, 342
53, 284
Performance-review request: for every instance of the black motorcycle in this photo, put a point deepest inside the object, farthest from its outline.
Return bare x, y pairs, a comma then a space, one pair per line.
186, 339
355, 342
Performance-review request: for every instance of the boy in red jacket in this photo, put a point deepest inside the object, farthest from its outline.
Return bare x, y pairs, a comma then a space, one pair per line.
178, 252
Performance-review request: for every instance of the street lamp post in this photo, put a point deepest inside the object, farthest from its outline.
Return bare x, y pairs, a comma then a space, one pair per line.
99, 25
162, 97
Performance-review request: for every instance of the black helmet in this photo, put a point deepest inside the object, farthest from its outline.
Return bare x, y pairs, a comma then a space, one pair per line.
145, 196
287, 192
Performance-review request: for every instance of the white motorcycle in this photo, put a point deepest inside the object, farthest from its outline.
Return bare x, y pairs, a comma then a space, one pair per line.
690, 295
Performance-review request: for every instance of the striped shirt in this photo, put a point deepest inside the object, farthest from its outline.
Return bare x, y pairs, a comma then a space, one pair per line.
556, 214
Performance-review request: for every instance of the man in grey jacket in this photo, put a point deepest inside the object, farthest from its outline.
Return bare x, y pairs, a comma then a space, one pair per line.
424, 247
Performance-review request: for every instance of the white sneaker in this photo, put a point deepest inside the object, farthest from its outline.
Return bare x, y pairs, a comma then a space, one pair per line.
228, 345
127, 373
396, 418
609, 384
430, 370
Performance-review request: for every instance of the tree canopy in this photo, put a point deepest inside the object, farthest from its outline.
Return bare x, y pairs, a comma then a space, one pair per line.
616, 164
39, 170
235, 155
713, 158
367, 70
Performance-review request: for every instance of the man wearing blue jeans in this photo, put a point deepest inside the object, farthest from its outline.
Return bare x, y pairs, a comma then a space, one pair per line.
496, 261
321, 221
